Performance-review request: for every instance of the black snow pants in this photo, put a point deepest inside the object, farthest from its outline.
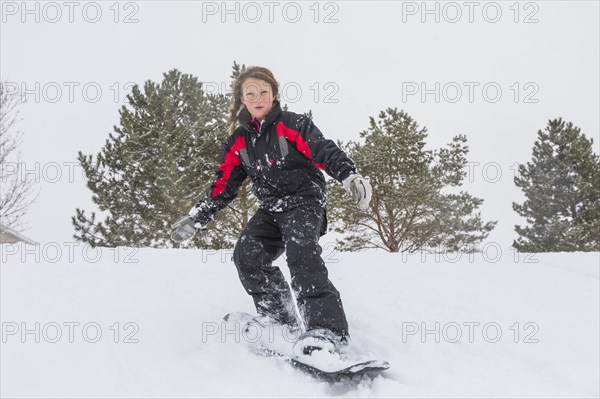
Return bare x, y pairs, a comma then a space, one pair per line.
297, 232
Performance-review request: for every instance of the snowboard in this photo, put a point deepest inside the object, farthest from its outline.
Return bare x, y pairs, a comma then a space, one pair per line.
322, 366
354, 372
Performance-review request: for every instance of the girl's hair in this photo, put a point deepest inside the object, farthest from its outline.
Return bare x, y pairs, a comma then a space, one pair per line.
255, 72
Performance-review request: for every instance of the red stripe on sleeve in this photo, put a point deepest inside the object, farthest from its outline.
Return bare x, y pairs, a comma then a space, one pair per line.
301, 144
292, 135
232, 159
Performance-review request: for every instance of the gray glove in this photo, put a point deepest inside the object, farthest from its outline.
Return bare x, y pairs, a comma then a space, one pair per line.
185, 228
360, 188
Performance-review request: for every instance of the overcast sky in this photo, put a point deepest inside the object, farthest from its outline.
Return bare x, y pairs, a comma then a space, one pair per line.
494, 71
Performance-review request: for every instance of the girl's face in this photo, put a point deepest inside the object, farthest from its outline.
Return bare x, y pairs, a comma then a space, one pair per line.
257, 96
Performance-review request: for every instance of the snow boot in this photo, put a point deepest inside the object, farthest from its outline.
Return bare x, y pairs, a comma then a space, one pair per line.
318, 340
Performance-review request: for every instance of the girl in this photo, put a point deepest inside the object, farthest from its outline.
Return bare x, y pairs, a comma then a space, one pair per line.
283, 153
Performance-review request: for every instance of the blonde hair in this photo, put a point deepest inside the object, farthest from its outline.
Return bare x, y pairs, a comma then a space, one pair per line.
255, 72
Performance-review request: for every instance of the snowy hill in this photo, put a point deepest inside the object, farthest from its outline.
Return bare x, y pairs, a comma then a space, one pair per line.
147, 323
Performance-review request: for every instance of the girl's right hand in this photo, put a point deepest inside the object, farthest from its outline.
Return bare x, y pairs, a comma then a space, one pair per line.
185, 228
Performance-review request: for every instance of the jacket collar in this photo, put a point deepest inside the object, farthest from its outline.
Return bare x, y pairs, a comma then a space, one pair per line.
252, 124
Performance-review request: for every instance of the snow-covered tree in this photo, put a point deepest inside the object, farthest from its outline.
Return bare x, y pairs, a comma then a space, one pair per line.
155, 165
415, 205
562, 189
16, 188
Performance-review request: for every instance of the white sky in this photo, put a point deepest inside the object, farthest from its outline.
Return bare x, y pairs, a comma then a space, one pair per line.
372, 54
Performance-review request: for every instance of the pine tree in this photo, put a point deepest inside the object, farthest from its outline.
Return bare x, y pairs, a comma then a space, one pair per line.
411, 208
155, 165
562, 189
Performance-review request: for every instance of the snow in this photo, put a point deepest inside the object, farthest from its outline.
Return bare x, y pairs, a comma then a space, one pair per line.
175, 344
327, 361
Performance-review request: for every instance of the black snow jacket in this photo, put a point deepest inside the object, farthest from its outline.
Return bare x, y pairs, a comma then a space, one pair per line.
284, 156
